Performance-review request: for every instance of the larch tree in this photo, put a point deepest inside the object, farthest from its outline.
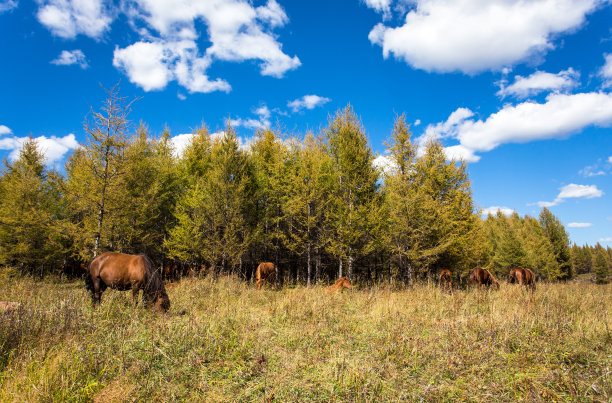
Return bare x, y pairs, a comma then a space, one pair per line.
356, 199
555, 231
31, 213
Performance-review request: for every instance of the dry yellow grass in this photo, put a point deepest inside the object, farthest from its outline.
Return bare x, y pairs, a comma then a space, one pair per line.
224, 341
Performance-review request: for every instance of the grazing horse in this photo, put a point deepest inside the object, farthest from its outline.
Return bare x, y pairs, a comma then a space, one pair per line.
172, 270
523, 277
446, 280
127, 272
265, 273
482, 277
340, 284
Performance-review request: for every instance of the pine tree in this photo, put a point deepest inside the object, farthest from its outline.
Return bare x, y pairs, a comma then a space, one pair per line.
601, 265
31, 212
94, 177
308, 195
356, 200
555, 231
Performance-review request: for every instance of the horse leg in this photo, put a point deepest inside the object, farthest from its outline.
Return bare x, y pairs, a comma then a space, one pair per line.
135, 289
97, 294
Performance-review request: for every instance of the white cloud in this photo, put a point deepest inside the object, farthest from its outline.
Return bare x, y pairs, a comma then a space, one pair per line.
606, 71
180, 96
478, 35
494, 209
573, 191
261, 122
5, 130
180, 142
307, 102
417, 122
169, 50
385, 164
541, 81
610, 159
53, 148
560, 116
69, 18
605, 240
8, 5
381, 6
579, 225
67, 58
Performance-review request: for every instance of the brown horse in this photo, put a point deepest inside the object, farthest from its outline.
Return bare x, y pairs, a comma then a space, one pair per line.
482, 277
523, 277
265, 273
127, 272
340, 284
446, 280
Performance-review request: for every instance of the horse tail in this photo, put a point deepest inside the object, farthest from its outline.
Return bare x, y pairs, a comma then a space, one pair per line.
88, 281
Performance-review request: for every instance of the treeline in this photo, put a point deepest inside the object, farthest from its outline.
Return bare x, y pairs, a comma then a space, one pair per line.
317, 207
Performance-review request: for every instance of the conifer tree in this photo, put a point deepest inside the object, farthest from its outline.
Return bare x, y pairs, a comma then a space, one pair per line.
31, 212
356, 201
308, 195
94, 176
555, 231
601, 264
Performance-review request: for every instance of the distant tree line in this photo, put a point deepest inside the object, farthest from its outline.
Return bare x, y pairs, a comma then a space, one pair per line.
318, 207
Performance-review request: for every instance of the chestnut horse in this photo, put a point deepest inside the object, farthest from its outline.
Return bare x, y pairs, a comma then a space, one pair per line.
127, 272
265, 273
523, 277
340, 284
482, 277
446, 280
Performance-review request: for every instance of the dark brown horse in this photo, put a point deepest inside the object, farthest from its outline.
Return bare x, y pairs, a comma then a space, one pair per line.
446, 280
127, 272
482, 277
522, 276
265, 273
340, 284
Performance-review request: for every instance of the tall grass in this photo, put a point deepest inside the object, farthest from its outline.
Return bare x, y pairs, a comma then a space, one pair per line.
225, 341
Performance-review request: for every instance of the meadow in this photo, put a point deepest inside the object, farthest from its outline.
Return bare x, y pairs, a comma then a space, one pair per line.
224, 341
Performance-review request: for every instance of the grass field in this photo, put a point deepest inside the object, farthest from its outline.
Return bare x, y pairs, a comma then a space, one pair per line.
224, 341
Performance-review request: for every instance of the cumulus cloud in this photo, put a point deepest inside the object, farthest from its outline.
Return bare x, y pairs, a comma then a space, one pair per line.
261, 122
494, 209
380, 6
169, 50
67, 58
472, 36
606, 71
53, 148
69, 18
599, 168
4, 130
573, 191
541, 81
605, 240
579, 225
560, 116
8, 5
385, 164
307, 102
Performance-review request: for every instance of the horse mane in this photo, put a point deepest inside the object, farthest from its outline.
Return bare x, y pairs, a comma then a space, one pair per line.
154, 283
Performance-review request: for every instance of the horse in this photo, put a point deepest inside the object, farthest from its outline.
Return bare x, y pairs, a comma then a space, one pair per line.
172, 270
265, 273
446, 280
340, 284
483, 277
522, 277
124, 272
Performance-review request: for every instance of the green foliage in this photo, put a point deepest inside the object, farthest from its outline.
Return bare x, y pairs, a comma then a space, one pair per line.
555, 231
214, 221
355, 204
31, 210
601, 264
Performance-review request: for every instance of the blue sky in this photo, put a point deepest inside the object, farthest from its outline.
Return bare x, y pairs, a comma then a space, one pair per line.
519, 89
